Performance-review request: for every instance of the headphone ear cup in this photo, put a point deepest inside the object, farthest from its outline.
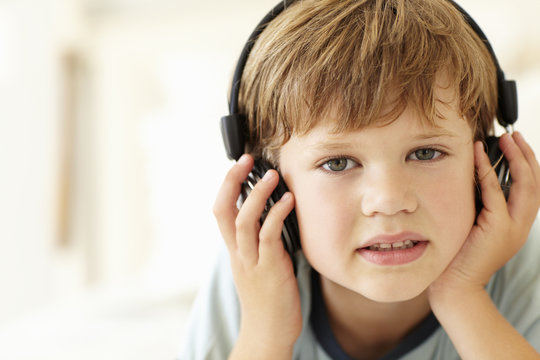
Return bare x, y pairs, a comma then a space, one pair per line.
289, 234
499, 163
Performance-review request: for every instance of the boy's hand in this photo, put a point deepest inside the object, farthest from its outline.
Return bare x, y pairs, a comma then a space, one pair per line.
502, 227
262, 269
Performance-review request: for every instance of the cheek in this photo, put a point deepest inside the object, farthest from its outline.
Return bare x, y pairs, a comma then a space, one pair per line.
324, 216
451, 203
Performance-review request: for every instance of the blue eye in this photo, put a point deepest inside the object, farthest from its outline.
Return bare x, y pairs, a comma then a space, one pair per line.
338, 164
425, 154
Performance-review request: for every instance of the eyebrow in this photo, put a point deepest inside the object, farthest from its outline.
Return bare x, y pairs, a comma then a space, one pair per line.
339, 145
436, 133
330, 146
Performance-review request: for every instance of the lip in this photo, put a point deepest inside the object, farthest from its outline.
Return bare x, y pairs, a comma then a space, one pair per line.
392, 238
393, 257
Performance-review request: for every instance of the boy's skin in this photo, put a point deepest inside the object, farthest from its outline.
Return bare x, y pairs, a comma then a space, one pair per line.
387, 187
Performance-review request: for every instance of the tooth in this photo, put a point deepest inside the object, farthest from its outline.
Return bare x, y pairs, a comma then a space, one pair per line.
385, 246
397, 244
408, 242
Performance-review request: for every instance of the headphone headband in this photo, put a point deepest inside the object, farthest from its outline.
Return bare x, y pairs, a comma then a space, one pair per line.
507, 111
233, 125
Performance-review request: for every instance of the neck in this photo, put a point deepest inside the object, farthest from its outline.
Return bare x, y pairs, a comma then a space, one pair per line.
383, 325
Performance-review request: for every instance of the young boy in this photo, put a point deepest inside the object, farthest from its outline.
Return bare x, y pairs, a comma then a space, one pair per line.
374, 113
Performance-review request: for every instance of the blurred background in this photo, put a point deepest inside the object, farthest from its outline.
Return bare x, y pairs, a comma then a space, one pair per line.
111, 157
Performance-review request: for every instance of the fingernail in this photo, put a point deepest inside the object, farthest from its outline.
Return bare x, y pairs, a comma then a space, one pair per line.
286, 196
243, 159
268, 176
479, 144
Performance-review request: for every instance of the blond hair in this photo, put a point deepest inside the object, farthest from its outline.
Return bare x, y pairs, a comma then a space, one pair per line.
366, 59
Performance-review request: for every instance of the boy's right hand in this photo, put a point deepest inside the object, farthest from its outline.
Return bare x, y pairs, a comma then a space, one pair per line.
262, 269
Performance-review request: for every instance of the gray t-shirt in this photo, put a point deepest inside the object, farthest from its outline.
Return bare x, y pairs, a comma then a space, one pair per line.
215, 319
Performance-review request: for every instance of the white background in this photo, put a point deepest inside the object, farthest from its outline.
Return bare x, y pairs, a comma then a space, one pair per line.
111, 157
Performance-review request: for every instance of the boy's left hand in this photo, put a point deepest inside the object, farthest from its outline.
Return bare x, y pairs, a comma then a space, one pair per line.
502, 227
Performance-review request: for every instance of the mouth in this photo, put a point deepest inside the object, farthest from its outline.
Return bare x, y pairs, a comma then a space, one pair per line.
395, 249
398, 245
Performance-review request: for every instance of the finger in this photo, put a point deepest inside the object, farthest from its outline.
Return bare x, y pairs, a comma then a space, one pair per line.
525, 148
271, 246
521, 201
225, 209
248, 220
492, 195
529, 155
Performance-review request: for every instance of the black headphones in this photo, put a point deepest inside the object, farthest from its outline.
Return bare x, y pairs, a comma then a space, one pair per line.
233, 126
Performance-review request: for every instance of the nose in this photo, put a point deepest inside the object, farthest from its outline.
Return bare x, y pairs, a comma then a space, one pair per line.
387, 192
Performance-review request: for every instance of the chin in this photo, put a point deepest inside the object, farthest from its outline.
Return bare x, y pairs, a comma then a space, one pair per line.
392, 297
391, 292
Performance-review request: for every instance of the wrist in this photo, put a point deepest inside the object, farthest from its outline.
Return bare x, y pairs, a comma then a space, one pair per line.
253, 345
449, 298
476, 327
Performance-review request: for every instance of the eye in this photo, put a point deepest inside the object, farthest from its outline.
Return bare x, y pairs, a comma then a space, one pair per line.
425, 154
339, 164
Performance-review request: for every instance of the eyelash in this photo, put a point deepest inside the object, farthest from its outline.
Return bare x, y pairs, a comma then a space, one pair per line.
325, 161
440, 154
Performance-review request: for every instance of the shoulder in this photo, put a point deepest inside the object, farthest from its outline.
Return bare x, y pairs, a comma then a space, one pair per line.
523, 270
515, 288
214, 320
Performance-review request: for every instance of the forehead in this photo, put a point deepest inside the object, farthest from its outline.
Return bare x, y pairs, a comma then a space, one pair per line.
409, 126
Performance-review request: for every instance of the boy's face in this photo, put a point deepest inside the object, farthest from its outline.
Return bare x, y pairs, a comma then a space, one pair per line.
384, 185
